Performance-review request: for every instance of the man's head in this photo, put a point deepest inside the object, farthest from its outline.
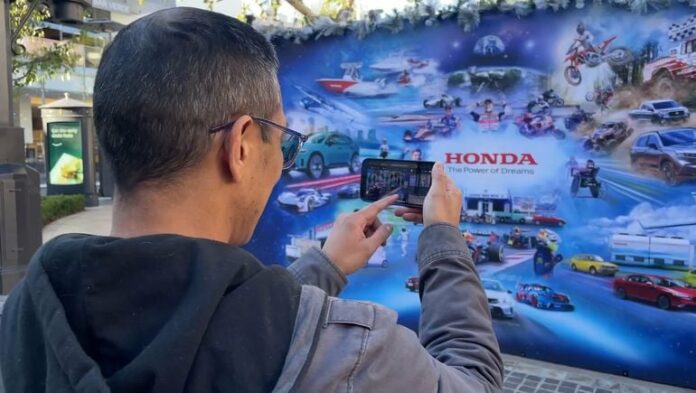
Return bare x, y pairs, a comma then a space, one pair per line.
488, 105
163, 83
580, 28
416, 155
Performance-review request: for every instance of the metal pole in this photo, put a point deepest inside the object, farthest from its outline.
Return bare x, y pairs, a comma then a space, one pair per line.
20, 202
5, 67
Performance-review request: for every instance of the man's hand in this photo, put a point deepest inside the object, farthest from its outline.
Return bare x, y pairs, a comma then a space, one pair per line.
355, 237
443, 204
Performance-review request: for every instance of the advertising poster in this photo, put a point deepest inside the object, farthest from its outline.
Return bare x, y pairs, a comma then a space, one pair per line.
572, 137
65, 153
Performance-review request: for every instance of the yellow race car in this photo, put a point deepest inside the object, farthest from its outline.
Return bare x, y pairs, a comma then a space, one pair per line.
593, 264
690, 277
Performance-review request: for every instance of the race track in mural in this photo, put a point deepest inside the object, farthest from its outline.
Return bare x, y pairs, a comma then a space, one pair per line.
572, 137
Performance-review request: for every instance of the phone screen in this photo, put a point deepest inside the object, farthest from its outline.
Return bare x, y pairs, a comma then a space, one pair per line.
408, 179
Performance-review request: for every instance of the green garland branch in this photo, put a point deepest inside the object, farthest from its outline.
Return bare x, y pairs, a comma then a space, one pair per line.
466, 13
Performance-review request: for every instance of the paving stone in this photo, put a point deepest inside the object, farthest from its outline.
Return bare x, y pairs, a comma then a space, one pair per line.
526, 389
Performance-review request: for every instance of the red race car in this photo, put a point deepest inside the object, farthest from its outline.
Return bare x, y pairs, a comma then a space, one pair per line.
547, 220
666, 292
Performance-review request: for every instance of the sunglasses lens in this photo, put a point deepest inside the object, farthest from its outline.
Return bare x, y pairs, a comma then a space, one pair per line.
290, 146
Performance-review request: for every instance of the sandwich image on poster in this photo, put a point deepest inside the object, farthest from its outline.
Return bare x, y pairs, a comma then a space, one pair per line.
67, 170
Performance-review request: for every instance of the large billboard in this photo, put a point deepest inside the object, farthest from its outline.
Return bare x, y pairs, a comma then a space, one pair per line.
571, 137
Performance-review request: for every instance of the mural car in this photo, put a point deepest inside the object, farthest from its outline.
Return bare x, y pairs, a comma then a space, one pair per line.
661, 111
608, 136
500, 301
350, 191
328, 150
593, 264
543, 297
304, 200
690, 278
669, 154
662, 291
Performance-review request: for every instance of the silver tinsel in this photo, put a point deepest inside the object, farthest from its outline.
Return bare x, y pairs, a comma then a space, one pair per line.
466, 12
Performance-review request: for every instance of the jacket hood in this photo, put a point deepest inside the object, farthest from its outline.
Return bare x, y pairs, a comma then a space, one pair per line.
134, 314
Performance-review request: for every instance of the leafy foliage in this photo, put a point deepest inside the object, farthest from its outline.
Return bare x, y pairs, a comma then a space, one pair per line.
54, 207
41, 64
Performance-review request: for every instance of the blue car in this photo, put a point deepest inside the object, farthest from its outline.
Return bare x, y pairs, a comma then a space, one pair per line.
543, 297
326, 150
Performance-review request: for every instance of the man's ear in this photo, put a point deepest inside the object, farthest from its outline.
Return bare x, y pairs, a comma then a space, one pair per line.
236, 147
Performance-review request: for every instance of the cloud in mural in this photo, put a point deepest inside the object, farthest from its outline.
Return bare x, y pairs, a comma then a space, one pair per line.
642, 215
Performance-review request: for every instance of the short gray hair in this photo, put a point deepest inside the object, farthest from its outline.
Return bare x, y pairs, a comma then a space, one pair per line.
169, 77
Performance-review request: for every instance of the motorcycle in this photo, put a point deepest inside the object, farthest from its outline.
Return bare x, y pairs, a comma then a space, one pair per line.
536, 125
600, 97
545, 259
577, 56
553, 99
575, 119
585, 178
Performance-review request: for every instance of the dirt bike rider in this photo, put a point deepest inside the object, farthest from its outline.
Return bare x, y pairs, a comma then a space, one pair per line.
584, 39
488, 120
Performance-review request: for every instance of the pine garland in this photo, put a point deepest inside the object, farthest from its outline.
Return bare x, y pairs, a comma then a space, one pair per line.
466, 13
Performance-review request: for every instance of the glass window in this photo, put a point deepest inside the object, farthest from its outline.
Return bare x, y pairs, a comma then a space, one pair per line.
665, 104
652, 139
679, 137
317, 138
492, 285
642, 141
343, 140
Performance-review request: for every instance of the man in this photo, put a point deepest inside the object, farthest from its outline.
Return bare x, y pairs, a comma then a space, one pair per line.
403, 238
449, 121
188, 112
584, 38
384, 149
416, 155
488, 120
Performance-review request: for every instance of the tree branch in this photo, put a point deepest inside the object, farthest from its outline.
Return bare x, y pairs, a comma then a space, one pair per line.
300, 6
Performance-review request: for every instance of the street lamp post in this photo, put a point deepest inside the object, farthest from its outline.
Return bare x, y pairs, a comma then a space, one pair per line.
20, 200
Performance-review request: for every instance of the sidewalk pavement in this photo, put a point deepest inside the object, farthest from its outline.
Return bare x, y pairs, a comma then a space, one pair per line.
93, 221
521, 375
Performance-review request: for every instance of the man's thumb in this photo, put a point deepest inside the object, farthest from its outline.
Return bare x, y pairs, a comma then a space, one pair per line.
439, 178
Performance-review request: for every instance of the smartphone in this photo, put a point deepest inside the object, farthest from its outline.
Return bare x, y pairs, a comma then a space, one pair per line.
408, 179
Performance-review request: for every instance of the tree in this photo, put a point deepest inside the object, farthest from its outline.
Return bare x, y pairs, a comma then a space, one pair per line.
36, 65
300, 6
332, 8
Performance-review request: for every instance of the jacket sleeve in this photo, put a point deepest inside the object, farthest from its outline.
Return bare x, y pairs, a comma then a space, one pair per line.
315, 268
361, 348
